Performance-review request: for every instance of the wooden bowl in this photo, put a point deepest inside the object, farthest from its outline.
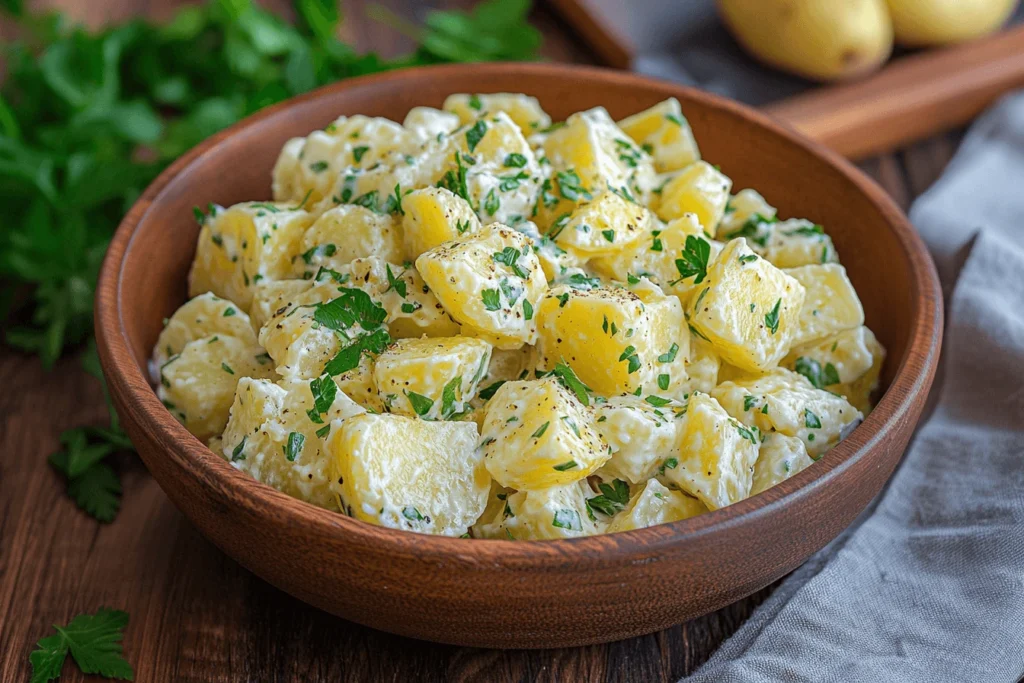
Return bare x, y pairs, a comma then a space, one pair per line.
497, 593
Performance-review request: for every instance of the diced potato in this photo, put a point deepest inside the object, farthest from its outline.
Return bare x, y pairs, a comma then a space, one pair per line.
668, 340
641, 435
507, 365
700, 189
743, 206
197, 384
377, 186
272, 436
404, 473
490, 281
781, 457
426, 123
785, 402
413, 310
606, 225
656, 256
590, 154
497, 500
665, 134
346, 233
555, 261
655, 504
299, 338
603, 334
545, 514
703, 367
859, 391
797, 243
830, 306
523, 109
202, 316
307, 167
245, 244
716, 454
270, 295
839, 359
434, 216
537, 434
433, 378
748, 309
491, 165
359, 385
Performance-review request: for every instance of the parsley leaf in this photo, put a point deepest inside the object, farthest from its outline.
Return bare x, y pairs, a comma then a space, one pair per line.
94, 641
421, 404
694, 261
492, 299
771, 318
572, 382
613, 497
819, 376
510, 257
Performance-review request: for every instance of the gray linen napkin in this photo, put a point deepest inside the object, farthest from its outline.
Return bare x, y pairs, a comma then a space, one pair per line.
929, 585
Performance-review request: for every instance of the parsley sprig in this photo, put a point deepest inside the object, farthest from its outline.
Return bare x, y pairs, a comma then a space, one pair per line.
94, 641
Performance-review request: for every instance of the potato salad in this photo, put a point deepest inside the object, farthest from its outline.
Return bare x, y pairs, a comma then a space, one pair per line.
486, 324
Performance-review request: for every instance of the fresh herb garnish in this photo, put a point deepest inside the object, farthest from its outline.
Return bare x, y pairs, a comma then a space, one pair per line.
94, 641
694, 261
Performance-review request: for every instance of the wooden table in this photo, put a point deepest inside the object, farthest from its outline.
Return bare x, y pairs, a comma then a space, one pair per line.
196, 615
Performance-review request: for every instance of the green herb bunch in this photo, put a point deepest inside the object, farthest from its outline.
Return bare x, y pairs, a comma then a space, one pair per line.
88, 119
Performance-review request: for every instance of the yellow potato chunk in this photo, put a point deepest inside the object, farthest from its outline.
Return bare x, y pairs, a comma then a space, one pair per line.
413, 310
426, 123
602, 334
545, 514
786, 402
668, 340
743, 206
655, 504
245, 244
404, 473
590, 154
359, 385
665, 134
431, 378
700, 189
434, 216
490, 281
202, 316
307, 167
716, 454
538, 434
839, 359
641, 435
830, 306
270, 295
346, 233
491, 165
524, 110
197, 384
606, 225
748, 309
655, 256
703, 367
781, 457
859, 391
305, 334
272, 437
497, 499
798, 242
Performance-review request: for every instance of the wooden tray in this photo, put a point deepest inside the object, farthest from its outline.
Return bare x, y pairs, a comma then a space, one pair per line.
916, 95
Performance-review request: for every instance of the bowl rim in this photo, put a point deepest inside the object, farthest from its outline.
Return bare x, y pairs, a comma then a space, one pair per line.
187, 452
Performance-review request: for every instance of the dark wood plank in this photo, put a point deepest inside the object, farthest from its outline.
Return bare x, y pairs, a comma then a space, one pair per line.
196, 615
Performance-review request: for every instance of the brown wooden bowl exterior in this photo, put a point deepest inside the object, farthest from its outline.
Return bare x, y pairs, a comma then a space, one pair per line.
496, 593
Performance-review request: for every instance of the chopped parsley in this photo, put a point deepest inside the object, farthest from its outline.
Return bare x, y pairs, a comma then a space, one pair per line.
421, 404
540, 430
771, 318
565, 466
567, 519
694, 261
515, 160
811, 421
670, 355
613, 497
491, 299
818, 375
294, 445
475, 134
509, 256
658, 401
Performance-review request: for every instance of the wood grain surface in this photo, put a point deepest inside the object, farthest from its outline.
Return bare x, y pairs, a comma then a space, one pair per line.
198, 616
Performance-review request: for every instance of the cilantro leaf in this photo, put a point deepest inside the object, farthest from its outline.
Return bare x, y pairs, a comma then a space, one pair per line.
94, 641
